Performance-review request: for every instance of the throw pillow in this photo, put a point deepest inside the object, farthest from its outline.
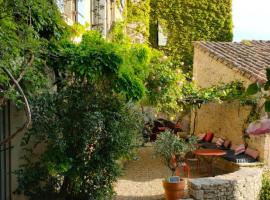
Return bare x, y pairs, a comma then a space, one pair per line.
201, 136
253, 153
227, 143
219, 142
239, 149
209, 136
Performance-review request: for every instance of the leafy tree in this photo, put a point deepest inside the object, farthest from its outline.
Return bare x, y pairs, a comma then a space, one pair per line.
87, 124
84, 133
25, 32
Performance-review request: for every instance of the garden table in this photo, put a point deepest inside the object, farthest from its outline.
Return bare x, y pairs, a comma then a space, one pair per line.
211, 154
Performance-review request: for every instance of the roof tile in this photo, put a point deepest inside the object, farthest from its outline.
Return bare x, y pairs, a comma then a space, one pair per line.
249, 57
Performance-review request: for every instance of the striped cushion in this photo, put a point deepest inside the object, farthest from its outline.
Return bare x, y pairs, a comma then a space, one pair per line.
253, 153
239, 149
219, 142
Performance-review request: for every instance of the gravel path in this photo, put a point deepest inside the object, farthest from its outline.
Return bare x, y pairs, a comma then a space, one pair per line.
142, 178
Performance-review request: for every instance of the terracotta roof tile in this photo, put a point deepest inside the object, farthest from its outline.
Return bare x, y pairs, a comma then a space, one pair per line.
251, 58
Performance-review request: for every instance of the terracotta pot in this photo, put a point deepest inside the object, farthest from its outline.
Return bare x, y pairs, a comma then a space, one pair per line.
174, 191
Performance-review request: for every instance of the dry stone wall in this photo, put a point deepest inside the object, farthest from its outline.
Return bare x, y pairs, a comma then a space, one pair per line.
244, 184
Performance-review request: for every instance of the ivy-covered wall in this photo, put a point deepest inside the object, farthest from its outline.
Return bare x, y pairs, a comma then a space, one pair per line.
191, 20
138, 16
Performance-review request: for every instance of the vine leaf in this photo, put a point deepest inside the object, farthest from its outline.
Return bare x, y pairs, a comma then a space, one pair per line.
268, 74
267, 106
253, 89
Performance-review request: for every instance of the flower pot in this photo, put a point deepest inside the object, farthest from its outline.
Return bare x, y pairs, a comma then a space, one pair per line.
174, 191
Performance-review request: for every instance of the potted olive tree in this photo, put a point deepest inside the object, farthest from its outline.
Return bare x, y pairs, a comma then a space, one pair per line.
173, 150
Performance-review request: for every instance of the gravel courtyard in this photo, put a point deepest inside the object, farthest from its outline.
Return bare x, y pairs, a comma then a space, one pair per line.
142, 178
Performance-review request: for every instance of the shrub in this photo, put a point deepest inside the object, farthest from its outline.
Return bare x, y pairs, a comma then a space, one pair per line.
83, 134
265, 190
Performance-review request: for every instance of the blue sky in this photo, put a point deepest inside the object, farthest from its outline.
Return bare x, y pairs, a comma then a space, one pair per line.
251, 19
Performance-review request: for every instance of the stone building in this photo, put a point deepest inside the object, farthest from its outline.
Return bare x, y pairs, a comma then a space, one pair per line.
100, 15
223, 62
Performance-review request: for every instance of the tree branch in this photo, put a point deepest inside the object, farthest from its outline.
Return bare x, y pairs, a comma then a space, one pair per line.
29, 64
27, 109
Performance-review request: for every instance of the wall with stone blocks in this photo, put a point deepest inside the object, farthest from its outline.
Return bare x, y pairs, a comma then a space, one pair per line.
244, 184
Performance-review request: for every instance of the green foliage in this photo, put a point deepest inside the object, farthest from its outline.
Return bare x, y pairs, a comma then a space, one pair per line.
81, 143
259, 90
195, 97
265, 190
94, 59
169, 145
164, 84
138, 12
26, 27
192, 20
253, 89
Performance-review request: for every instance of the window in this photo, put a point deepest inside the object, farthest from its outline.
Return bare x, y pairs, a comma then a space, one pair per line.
80, 12
162, 36
60, 4
5, 187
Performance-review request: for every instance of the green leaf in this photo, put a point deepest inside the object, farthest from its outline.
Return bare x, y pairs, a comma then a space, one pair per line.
268, 74
266, 86
267, 106
253, 89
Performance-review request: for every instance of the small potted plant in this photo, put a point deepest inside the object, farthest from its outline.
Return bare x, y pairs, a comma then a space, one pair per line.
173, 150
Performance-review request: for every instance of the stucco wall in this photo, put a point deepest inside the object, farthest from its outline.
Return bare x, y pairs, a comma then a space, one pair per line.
227, 119
17, 118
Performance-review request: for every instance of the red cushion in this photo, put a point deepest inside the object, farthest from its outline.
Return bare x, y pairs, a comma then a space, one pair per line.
253, 153
208, 137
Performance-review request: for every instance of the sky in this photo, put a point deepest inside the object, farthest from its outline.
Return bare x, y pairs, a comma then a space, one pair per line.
251, 19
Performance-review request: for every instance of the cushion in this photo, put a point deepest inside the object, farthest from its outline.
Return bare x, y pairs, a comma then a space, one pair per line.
201, 136
241, 158
253, 153
208, 137
227, 143
239, 149
219, 142
208, 145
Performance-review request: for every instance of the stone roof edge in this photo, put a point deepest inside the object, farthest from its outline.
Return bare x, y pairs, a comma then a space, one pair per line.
248, 74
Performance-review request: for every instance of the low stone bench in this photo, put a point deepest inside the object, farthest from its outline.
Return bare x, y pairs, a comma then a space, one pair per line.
243, 184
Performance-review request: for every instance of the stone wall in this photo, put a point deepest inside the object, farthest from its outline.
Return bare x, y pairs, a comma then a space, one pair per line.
227, 119
244, 184
262, 144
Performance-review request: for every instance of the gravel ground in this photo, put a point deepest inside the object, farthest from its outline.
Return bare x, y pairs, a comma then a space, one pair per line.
142, 178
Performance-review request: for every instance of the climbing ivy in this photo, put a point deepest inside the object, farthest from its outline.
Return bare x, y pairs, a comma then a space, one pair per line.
191, 20
138, 17
25, 32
